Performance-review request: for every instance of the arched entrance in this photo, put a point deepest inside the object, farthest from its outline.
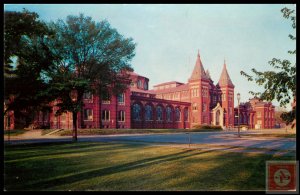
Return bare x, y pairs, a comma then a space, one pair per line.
218, 115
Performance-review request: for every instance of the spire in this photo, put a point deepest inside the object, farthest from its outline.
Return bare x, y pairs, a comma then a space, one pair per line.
224, 78
198, 71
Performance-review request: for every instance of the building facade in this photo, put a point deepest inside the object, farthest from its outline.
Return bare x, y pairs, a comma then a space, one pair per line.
256, 114
168, 105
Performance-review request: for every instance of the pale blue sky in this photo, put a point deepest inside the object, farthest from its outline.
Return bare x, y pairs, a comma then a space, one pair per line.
169, 36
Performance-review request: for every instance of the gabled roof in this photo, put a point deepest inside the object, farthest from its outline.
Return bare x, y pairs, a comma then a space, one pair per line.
198, 72
224, 78
167, 83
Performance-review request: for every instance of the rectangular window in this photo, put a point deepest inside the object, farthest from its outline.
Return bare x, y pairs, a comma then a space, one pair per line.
195, 92
88, 114
106, 98
121, 99
223, 97
204, 107
121, 116
105, 115
204, 91
88, 95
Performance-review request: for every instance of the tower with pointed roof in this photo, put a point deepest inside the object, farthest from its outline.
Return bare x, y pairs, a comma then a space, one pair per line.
199, 85
227, 96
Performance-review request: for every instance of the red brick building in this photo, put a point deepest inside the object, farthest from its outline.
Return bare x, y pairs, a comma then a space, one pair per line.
169, 105
256, 114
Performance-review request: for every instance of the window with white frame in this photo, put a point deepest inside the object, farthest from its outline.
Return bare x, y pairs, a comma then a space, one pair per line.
88, 96
106, 98
194, 92
105, 115
88, 114
121, 116
121, 99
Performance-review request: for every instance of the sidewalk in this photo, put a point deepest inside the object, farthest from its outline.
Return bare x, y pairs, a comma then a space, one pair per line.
30, 134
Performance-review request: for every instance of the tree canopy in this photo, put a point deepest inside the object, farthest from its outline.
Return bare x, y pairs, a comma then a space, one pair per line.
90, 54
26, 57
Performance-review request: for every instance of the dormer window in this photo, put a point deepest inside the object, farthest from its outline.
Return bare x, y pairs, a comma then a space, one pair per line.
139, 83
145, 85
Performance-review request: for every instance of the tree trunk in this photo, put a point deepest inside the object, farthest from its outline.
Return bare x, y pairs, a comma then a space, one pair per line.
74, 126
100, 111
117, 111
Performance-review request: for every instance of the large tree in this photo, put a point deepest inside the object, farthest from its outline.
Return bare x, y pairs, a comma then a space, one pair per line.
94, 57
26, 57
280, 84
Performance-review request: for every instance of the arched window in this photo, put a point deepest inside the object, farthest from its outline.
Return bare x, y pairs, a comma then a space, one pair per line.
195, 107
139, 84
186, 114
136, 112
159, 113
145, 85
148, 113
169, 114
177, 114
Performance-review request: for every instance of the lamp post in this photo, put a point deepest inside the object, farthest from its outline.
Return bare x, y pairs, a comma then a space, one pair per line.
73, 95
238, 99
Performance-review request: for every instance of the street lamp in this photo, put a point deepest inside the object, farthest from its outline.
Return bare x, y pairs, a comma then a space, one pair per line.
73, 95
238, 99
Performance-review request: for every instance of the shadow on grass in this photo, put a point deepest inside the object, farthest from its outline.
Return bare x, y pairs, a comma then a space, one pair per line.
235, 172
74, 148
64, 180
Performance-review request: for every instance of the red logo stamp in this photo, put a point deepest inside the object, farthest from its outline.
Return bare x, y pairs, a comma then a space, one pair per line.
281, 176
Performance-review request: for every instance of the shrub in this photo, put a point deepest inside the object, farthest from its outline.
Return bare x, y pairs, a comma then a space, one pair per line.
207, 127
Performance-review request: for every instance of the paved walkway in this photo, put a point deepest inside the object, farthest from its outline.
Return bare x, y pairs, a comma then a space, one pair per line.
206, 140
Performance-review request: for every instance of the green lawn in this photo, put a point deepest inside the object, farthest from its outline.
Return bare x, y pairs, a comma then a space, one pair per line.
14, 132
282, 135
124, 166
